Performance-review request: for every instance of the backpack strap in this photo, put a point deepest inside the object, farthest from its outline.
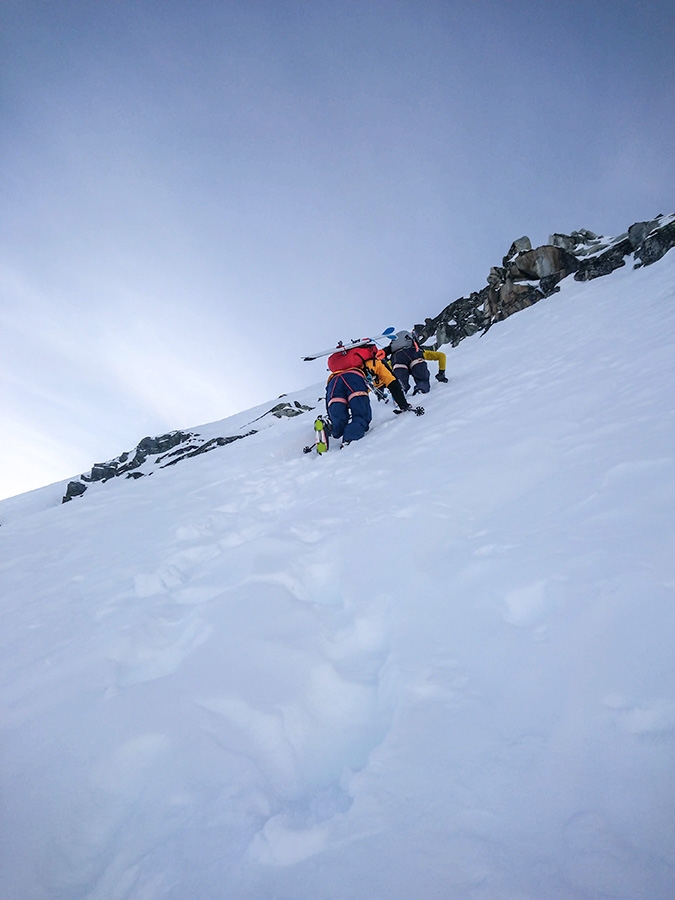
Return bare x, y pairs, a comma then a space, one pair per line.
351, 393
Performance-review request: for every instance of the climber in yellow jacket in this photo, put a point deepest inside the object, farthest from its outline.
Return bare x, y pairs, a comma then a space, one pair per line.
384, 377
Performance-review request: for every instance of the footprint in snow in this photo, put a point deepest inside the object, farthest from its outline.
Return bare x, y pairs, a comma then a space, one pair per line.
156, 646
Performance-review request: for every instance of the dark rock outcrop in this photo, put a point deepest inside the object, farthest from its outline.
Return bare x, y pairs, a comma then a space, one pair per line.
528, 275
285, 410
639, 231
124, 464
543, 263
514, 296
520, 245
74, 489
187, 452
457, 321
655, 245
168, 449
604, 263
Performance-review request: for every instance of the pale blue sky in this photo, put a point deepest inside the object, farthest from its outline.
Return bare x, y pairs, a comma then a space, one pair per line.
196, 194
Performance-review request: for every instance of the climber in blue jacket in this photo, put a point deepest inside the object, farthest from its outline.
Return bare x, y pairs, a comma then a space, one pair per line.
408, 359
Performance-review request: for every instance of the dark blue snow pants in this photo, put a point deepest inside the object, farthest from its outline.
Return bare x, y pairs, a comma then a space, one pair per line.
411, 362
348, 405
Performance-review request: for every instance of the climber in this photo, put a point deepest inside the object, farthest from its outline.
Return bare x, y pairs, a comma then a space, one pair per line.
347, 400
408, 359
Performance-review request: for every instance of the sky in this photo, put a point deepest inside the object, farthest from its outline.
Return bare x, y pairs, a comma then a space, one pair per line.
196, 195
437, 663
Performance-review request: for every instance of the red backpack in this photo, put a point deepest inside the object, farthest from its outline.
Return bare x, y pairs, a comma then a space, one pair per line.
350, 359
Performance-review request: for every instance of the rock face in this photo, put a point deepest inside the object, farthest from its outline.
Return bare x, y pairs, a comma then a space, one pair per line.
527, 275
655, 244
605, 262
285, 410
543, 262
74, 489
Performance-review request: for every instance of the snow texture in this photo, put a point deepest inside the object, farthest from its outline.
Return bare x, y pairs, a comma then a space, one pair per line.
435, 664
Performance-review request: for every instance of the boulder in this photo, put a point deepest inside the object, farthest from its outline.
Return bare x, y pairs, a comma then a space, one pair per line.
151, 445
520, 245
544, 262
74, 489
565, 241
580, 243
639, 231
101, 472
584, 236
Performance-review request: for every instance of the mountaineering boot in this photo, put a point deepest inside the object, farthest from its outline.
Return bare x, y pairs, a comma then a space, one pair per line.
418, 410
321, 435
397, 393
322, 428
441, 376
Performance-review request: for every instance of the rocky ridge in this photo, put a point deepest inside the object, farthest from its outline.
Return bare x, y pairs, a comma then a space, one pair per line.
167, 450
527, 275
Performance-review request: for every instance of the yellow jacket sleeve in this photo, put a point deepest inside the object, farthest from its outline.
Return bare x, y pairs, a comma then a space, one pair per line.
438, 355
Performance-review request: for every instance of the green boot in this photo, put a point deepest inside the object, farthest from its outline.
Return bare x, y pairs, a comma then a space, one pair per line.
322, 428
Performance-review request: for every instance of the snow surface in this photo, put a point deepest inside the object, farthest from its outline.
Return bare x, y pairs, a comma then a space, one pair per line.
437, 664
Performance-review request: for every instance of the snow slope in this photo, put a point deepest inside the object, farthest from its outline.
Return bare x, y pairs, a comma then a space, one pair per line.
436, 664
